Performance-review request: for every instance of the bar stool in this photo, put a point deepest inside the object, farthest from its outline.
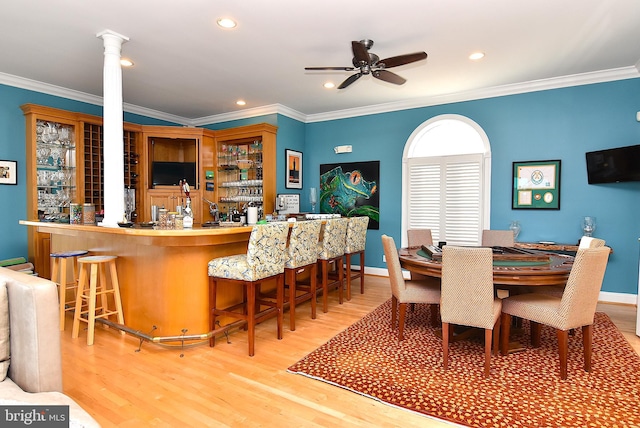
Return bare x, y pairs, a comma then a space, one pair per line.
94, 270
301, 257
355, 245
331, 251
59, 276
263, 262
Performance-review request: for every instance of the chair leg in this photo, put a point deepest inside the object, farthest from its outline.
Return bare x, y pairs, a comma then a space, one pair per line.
340, 270
251, 315
434, 314
212, 309
362, 272
445, 345
496, 336
314, 286
348, 269
324, 268
488, 334
82, 282
536, 331
394, 308
290, 278
280, 304
587, 343
403, 314
563, 350
505, 329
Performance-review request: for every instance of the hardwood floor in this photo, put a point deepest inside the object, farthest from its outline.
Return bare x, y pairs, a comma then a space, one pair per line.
122, 384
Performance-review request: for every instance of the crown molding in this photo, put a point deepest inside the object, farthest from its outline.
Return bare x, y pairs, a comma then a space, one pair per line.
497, 91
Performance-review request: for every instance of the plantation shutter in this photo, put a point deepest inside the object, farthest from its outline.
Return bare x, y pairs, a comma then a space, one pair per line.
445, 195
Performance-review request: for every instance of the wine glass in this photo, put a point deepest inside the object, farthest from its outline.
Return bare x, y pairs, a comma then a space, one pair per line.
313, 198
588, 225
515, 228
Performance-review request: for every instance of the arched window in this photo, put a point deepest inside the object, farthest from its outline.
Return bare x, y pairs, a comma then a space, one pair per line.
446, 180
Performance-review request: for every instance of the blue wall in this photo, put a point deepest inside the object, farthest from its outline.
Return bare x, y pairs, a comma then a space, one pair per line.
555, 124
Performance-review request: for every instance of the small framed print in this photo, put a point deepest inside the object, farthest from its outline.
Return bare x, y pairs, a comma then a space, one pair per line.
294, 169
536, 185
8, 172
209, 186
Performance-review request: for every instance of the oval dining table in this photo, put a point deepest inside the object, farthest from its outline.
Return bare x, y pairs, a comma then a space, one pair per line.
518, 273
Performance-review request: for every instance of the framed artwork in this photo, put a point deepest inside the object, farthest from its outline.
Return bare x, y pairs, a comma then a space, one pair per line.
294, 169
8, 172
351, 189
536, 185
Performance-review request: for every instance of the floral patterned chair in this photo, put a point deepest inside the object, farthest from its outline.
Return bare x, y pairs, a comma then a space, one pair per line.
301, 257
355, 245
263, 262
331, 251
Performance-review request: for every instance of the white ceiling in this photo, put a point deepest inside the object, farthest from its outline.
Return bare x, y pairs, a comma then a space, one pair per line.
185, 65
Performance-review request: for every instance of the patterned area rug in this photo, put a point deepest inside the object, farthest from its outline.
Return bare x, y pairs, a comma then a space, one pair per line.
524, 390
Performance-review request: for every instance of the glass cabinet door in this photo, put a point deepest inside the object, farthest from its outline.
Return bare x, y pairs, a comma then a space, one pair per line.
55, 167
240, 175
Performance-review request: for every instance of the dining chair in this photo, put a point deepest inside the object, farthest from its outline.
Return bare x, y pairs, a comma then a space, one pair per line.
355, 244
497, 238
330, 252
405, 292
468, 297
557, 290
417, 238
301, 257
264, 261
576, 307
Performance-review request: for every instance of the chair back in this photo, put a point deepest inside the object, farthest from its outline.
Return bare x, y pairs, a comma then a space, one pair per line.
356, 234
266, 251
393, 265
467, 287
580, 297
303, 244
418, 237
497, 238
333, 240
590, 242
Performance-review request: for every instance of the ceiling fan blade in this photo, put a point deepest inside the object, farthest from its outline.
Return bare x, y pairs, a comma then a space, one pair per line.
329, 68
395, 61
360, 53
388, 76
350, 80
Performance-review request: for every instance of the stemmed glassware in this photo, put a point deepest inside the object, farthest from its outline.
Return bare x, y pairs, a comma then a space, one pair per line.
313, 198
515, 228
588, 225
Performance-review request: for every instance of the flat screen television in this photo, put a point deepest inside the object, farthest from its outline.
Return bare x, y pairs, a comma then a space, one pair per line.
614, 165
170, 173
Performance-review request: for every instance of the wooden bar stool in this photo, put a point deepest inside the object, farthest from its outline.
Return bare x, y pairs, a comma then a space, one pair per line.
331, 251
94, 269
355, 245
59, 276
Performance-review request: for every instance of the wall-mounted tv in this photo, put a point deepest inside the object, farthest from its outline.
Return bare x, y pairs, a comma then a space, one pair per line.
170, 173
614, 165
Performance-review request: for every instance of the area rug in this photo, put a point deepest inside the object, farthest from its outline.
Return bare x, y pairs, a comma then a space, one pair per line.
524, 390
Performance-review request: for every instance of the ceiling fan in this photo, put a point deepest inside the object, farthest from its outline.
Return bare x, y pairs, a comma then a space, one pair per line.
369, 63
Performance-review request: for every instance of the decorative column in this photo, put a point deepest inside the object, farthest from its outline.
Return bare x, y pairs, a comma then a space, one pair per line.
113, 147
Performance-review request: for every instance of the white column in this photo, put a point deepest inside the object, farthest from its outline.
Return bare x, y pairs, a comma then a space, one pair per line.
113, 147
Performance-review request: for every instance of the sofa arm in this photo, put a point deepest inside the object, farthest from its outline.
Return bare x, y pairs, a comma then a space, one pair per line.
36, 364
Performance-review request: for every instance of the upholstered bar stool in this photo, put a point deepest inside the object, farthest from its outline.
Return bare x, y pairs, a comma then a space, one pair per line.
59, 270
331, 251
93, 283
263, 262
355, 244
301, 257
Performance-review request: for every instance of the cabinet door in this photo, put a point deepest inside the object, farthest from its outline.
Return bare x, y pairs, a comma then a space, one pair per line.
168, 200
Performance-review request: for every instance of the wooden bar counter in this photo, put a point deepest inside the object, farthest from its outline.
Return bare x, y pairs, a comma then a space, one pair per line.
162, 273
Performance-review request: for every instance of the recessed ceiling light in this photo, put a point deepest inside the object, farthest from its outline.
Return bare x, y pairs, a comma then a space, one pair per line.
126, 62
241, 102
226, 23
476, 56
329, 85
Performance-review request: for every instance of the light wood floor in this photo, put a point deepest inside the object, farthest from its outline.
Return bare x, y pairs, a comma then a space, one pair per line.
223, 386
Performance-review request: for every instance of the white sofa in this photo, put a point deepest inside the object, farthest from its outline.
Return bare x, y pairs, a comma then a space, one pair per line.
34, 374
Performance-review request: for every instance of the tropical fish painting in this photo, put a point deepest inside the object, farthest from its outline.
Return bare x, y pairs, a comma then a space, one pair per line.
351, 189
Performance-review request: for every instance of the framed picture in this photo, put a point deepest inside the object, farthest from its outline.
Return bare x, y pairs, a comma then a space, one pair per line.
536, 185
8, 172
294, 169
351, 189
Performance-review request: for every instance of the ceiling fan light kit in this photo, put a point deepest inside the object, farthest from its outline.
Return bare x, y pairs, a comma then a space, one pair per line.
366, 62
